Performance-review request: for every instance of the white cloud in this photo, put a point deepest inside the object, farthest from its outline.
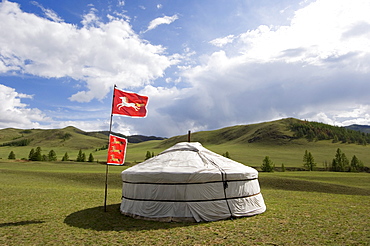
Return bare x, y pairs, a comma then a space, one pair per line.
316, 34
16, 114
90, 19
158, 121
316, 68
98, 54
161, 20
343, 116
89, 126
219, 42
309, 69
50, 14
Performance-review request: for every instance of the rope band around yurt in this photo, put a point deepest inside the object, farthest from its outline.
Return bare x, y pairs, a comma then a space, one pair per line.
195, 200
193, 183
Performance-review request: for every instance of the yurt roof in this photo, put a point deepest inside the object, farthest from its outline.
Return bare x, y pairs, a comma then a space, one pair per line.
187, 162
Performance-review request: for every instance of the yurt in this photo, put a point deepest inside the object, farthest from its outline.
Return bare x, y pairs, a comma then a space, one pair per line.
188, 182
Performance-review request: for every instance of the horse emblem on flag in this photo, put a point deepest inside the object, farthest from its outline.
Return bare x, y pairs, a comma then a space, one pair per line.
125, 103
129, 104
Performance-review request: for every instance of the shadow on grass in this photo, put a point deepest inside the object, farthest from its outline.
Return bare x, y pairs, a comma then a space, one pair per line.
309, 186
21, 223
112, 220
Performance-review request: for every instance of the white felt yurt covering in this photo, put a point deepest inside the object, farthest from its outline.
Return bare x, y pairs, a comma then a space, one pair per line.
189, 182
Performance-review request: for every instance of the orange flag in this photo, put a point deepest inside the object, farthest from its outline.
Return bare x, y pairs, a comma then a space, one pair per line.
116, 150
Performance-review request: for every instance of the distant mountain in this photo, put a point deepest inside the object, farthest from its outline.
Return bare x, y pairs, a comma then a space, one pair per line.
132, 138
360, 128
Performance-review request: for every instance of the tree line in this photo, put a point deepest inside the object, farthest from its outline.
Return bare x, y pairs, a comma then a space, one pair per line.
21, 142
340, 163
314, 131
36, 155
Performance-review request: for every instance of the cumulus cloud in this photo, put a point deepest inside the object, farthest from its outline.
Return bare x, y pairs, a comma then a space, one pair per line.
274, 72
158, 122
315, 68
97, 54
161, 20
14, 113
316, 33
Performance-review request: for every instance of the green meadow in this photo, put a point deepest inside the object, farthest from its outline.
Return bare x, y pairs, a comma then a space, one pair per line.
61, 203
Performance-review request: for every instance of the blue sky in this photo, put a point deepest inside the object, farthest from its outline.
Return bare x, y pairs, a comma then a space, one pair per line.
204, 64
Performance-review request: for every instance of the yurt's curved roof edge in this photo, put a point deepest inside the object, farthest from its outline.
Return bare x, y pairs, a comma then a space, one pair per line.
199, 158
184, 146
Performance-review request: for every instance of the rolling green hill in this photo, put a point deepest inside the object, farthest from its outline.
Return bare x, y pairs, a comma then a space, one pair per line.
269, 133
280, 132
284, 141
69, 137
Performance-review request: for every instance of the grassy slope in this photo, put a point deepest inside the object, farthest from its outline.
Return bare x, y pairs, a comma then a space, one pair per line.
248, 144
52, 140
61, 204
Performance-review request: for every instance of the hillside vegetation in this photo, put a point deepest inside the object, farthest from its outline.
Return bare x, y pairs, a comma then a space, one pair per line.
69, 137
284, 141
280, 132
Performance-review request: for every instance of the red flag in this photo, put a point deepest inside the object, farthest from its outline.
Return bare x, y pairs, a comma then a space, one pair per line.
129, 104
116, 150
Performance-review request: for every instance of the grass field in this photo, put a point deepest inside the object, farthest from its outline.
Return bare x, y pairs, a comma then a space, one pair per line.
62, 204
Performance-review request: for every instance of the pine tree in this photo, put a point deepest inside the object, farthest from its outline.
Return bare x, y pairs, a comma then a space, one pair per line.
267, 165
340, 163
148, 155
36, 156
356, 165
80, 157
65, 157
91, 158
31, 154
305, 156
11, 156
309, 161
52, 156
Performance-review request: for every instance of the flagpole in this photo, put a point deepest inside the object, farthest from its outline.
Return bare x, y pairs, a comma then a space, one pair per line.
107, 169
